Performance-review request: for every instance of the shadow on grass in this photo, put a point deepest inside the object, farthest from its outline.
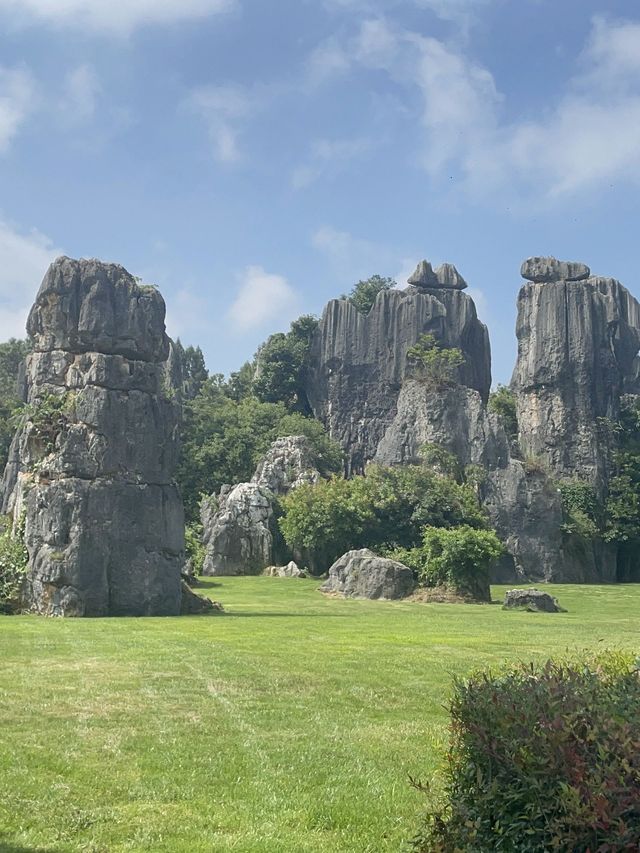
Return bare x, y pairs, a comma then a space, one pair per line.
260, 613
9, 847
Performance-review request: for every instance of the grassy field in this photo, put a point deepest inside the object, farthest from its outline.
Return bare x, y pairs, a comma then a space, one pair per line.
290, 724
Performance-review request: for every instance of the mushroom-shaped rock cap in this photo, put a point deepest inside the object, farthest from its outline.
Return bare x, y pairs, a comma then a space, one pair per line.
424, 276
91, 306
449, 277
549, 269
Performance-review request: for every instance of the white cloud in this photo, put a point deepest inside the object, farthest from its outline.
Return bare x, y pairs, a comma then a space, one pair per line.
24, 259
187, 314
17, 100
262, 298
223, 109
81, 91
589, 137
327, 157
114, 16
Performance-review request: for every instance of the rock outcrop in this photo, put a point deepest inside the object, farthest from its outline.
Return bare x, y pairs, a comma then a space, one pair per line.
533, 600
291, 570
91, 470
577, 345
240, 528
363, 574
358, 363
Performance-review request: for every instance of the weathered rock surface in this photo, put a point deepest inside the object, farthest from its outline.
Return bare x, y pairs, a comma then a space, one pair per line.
291, 570
192, 604
531, 599
240, 527
577, 343
289, 462
93, 474
550, 269
239, 540
455, 419
358, 363
362, 574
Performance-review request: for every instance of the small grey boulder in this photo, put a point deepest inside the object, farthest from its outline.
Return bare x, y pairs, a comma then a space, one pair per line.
362, 574
424, 276
533, 600
449, 277
549, 269
291, 570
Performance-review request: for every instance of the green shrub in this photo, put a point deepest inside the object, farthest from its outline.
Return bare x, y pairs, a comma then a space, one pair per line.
389, 507
580, 508
13, 566
458, 558
542, 758
434, 365
194, 547
365, 293
502, 402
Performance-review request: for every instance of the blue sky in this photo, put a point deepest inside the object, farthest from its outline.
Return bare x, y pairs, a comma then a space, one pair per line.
254, 159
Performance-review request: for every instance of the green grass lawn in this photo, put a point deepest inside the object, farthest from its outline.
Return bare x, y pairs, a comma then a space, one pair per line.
290, 724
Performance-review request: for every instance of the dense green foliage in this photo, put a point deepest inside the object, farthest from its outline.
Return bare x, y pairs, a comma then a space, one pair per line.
389, 507
194, 547
12, 354
280, 366
223, 440
543, 758
13, 565
581, 510
193, 370
502, 402
458, 558
365, 292
435, 365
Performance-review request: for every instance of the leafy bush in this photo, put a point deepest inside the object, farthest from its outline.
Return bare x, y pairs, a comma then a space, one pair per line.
502, 402
13, 565
194, 546
389, 507
365, 293
580, 508
434, 365
542, 758
458, 558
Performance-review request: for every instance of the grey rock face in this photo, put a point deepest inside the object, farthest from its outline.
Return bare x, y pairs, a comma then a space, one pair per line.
239, 527
358, 363
448, 276
239, 538
531, 599
423, 276
362, 574
291, 570
455, 419
577, 342
104, 523
288, 463
550, 269
192, 604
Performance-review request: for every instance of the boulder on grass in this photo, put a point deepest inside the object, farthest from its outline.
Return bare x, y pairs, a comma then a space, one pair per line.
363, 574
194, 605
291, 570
533, 600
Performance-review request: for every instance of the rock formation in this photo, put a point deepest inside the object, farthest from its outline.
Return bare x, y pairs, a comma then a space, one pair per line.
363, 574
240, 529
533, 600
358, 363
91, 470
577, 344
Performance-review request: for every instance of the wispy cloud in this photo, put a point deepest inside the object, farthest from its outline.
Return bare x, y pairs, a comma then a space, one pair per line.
261, 299
224, 110
17, 101
327, 157
24, 258
588, 137
118, 17
81, 92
